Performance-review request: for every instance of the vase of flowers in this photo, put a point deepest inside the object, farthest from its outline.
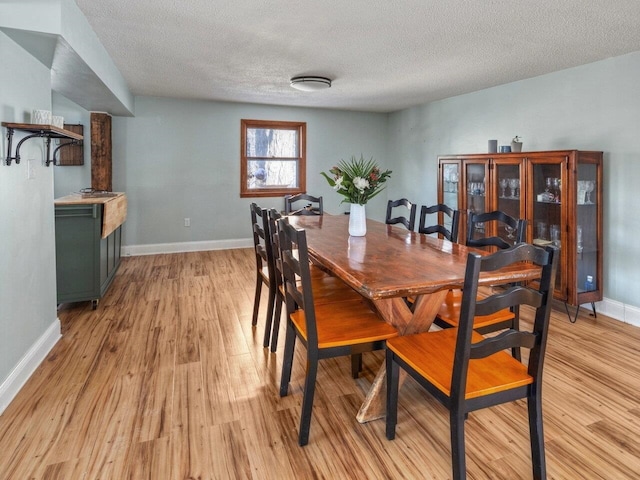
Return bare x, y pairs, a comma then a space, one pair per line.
358, 181
516, 144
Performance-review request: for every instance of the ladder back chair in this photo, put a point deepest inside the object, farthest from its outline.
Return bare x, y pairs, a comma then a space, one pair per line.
325, 287
449, 313
312, 205
514, 227
454, 215
403, 202
465, 371
265, 272
328, 330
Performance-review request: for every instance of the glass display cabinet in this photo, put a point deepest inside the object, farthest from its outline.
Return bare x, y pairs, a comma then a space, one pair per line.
449, 189
559, 193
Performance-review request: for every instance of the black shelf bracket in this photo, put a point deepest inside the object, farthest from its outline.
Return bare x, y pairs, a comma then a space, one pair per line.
53, 157
16, 158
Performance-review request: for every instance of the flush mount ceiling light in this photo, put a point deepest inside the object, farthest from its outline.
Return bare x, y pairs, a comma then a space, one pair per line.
310, 84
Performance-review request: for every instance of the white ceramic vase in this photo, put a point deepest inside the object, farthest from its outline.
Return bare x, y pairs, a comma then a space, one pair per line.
357, 221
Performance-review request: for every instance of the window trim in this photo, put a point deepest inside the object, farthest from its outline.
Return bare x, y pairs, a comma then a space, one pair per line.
301, 127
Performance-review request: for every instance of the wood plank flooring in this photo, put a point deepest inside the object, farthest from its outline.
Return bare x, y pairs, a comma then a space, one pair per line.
168, 380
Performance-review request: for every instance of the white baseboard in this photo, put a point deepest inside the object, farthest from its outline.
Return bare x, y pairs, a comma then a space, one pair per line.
158, 248
619, 311
28, 364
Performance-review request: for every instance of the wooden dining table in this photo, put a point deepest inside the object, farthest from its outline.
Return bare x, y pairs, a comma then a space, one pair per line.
386, 266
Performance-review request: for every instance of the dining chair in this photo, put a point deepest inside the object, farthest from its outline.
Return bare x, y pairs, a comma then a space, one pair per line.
454, 215
403, 202
465, 371
327, 330
265, 274
449, 313
326, 288
312, 206
515, 229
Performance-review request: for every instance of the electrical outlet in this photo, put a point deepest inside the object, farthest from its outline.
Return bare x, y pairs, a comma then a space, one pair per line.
31, 169
187, 222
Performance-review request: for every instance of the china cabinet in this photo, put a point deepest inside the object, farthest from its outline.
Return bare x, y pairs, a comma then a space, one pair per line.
559, 193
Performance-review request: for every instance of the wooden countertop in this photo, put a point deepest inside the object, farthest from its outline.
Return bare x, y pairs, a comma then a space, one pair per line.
79, 199
114, 210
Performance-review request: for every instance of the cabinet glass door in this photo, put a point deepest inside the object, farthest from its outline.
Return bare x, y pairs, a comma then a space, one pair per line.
476, 177
509, 192
450, 188
586, 235
548, 225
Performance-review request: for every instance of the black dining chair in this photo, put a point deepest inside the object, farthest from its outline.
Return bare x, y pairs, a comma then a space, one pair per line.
326, 288
465, 371
327, 330
514, 229
265, 273
312, 205
449, 313
410, 222
439, 227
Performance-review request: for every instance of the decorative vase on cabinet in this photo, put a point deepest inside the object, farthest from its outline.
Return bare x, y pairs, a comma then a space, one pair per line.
516, 144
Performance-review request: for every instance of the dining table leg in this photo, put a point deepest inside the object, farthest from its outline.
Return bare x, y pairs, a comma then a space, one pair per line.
396, 312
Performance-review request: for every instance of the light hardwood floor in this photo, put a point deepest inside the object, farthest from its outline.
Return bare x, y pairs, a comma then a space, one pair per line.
168, 380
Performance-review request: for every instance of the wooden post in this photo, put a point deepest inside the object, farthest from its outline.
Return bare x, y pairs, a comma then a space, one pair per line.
101, 175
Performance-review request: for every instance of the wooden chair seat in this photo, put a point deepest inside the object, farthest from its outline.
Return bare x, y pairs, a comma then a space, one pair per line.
449, 313
485, 376
327, 288
344, 323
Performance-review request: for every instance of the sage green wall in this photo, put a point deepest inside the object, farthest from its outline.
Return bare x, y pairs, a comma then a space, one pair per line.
181, 158
592, 107
70, 179
27, 257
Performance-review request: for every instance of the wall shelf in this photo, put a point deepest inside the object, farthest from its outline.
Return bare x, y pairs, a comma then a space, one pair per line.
37, 130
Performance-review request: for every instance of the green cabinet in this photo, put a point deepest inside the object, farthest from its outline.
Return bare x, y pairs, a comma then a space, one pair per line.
86, 263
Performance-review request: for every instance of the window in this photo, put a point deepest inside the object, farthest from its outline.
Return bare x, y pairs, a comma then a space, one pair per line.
273, 158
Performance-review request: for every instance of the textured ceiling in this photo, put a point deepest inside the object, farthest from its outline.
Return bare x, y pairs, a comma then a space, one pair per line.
382, 55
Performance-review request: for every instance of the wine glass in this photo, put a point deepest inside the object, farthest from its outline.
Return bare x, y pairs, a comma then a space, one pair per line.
556, 186
454, 181
503, 185
510, 231
514, 183
591, 185
549, 184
